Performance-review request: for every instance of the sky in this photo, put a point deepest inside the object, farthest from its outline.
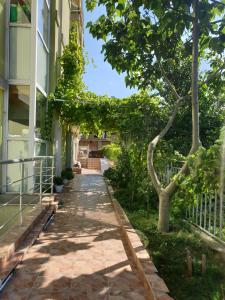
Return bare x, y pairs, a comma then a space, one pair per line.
99, 76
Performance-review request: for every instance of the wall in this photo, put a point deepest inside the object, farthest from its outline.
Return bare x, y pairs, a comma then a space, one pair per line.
2, 37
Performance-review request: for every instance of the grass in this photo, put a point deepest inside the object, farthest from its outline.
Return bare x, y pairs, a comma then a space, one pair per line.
169, 255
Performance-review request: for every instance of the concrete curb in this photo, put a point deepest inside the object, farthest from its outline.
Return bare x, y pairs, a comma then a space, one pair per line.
155, 286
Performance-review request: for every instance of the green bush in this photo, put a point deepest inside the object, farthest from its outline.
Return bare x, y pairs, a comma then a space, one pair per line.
67, 174
58, 180
111, 151
112, 175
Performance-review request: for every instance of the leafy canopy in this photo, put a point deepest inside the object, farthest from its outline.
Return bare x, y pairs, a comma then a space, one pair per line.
138, 35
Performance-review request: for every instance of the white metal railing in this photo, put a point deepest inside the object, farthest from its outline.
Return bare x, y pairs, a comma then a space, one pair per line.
208, 214
28, 181
169, 171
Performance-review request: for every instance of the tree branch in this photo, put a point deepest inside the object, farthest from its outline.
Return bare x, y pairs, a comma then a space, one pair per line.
171, 86
213, 75
218, 2
152, 145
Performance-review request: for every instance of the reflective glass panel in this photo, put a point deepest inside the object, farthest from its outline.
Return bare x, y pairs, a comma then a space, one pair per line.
20, 54
2, 37
19, 110
42, 67
43, 20
20, 11
41, 107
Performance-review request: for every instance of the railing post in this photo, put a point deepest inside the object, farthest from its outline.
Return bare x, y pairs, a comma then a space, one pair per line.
210, 211
41, 177
200, 221
215, 214
196, 217
52, 177
21, 191
205, 210
221, 212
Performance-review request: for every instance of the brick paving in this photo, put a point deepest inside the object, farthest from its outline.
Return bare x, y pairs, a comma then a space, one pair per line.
81, 256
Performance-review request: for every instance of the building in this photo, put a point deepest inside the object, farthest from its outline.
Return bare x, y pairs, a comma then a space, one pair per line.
32, 35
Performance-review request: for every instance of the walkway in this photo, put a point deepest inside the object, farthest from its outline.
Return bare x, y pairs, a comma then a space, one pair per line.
81, 256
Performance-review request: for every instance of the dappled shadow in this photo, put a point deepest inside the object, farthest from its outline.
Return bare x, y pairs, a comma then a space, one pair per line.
81, 256
62, 247
108, 235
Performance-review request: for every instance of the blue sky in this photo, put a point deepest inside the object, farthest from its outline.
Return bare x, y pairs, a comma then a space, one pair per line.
99, 77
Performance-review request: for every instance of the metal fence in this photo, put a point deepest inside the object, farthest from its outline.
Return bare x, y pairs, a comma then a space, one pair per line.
170, 170
207, 212
27, 182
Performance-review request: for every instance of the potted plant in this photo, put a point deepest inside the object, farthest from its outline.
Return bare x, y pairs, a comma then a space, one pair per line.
64, 177
67, 175
58, 182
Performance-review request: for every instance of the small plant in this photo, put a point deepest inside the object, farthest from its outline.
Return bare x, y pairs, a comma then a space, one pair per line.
67, 174
58, 180
111, 175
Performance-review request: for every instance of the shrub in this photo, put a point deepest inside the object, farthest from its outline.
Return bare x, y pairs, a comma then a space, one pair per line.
112, 175
111, 151
67, 174
58, 180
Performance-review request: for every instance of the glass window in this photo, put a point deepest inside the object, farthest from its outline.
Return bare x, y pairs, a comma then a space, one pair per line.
2, 37
17, 149
42, 68
20, 11
40, 149
20, 54
19, 110
1, 119
41, 107
1, 129
43, 20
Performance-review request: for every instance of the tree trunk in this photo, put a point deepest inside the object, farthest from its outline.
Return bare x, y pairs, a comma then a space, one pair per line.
195, 56
164, 212
166, 193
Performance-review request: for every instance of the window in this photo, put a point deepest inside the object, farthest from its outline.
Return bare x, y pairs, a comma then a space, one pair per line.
43, 20
40, 149
19, 111
1, 119
2, 38
17, 149
42, 68
41, 107
20, 11
20, 54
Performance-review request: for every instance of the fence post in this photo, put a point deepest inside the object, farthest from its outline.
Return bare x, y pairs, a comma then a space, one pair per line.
210, 211
41, 177
221, 213
200, 221
215, 214
197, 198
205, 210
21, 191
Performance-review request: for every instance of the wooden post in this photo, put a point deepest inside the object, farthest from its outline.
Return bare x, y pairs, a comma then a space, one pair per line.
189, 263
203, 263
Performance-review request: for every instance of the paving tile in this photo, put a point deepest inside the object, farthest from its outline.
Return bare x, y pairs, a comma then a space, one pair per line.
81, 256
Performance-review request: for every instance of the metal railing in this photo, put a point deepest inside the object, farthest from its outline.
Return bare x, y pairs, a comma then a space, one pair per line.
207, 213
27, 182
169, 171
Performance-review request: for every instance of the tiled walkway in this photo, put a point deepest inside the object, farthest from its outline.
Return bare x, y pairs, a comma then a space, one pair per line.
81, 256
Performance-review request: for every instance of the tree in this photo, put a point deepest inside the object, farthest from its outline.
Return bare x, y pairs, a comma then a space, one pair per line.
159, 45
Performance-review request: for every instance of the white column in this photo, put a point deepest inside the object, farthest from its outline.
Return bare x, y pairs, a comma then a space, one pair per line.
33, 80
58, 148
